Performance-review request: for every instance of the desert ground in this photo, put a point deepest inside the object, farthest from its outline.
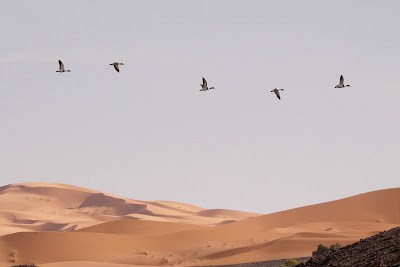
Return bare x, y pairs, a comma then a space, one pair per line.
56, 225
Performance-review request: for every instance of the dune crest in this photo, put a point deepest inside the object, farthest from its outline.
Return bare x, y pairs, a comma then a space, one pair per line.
91, 228
59, 207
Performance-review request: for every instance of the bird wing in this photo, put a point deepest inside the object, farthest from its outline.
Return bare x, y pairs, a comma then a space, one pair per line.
341, 82
277, 94
204, 83
116, 67
61, 65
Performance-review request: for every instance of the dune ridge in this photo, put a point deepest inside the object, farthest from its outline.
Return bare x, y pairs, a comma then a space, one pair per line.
42, 206
91, 228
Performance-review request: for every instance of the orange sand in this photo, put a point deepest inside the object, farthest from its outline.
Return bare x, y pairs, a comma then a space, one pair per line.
58, 225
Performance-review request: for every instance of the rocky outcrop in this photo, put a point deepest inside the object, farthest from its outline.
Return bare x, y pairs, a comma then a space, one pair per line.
381, 250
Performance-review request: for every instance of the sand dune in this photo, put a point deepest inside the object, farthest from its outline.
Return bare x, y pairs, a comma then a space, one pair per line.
58, 207
378, 206
87, 264
140, 227
91, 228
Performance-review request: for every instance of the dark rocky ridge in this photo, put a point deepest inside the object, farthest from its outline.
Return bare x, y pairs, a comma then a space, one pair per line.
381, 250
270, 263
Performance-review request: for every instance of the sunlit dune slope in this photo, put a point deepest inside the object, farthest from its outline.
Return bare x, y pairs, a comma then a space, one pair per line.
380, 206
186, 235
59, 207
140, 227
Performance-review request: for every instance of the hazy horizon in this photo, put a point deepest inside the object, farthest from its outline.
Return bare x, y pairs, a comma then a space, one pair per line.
147, 132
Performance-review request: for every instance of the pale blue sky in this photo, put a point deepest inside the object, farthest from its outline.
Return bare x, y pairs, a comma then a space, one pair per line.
148, 133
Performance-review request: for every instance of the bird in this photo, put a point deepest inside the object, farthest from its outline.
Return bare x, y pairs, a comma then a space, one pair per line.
341, 83
116, 65
204, 86
61, 67
276, 91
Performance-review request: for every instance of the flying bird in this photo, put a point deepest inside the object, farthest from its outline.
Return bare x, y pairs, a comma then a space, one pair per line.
61, 67
204, 86
341, 83
276, 91
116, 65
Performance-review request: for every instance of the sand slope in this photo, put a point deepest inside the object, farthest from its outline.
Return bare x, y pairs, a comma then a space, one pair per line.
178, 234
58, 207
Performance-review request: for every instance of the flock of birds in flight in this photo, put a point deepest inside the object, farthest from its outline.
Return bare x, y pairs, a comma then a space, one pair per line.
204, 85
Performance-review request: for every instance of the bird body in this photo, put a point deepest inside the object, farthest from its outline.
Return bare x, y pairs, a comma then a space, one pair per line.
61, 67
276, 91
341, 83
116, 65
204, 86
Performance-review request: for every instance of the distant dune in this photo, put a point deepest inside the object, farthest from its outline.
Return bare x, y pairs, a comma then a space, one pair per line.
61, 225
58, 207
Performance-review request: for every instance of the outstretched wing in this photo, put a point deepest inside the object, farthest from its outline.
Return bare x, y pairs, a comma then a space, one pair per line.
277, 94
204, 84
341, 81
61, 65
